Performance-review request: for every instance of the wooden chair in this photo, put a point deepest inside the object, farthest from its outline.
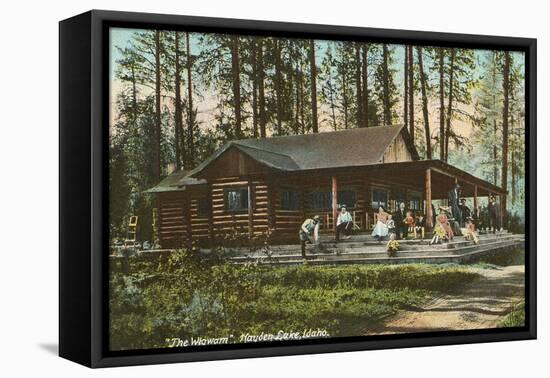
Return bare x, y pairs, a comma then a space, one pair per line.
357, 220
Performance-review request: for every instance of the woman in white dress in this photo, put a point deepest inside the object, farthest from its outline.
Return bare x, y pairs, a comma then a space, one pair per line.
381, 228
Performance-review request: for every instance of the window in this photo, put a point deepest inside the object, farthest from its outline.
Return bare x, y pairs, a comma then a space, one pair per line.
290, 200
414, 201
321, 200
348, 198
236, 199
379, 198
203, 207
399, 197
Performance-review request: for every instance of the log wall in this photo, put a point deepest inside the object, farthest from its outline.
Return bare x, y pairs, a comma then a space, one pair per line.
237, 222
172, 222
176, 228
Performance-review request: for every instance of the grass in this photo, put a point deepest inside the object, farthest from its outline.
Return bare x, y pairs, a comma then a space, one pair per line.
516, 318
188, 298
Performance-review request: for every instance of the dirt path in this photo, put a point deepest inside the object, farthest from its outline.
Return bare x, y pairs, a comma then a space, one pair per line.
481, 304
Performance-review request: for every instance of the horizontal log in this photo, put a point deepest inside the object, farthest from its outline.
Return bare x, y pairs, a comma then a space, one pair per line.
171, 210
229, 184
180, 219
166, 228
288, 211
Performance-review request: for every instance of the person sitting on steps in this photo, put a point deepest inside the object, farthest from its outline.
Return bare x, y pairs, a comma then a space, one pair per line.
344, 224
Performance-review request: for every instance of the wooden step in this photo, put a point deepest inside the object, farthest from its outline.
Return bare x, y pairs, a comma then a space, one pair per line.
427, 255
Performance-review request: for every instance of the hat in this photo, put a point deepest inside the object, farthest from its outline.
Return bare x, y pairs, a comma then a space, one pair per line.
343, 206
316, 217
463, 200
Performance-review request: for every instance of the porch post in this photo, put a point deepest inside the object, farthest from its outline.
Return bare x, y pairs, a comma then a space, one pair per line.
502, 199
334, 202
250, 211
428, 189
475, 202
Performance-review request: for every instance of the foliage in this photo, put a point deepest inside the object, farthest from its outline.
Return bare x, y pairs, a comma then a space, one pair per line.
192, 294
516, 318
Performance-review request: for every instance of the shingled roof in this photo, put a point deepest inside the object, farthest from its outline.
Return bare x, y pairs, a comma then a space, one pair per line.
346, 148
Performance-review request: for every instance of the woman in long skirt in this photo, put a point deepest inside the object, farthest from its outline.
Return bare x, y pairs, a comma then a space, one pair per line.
443, 220
381, 228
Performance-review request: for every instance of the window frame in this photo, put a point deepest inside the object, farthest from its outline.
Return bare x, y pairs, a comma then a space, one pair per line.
294, 192
379, 189
241, 189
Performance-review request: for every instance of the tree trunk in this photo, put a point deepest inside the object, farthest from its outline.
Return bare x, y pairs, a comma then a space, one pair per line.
158, 126
513, 162
236, 73
191, 116
313, 70
386, 85
261, 91
331, 99
365, 87
134, 97
345, 100
302, 99
254, 90
425, 113
406, 89
505, 119
297, 114
495, 154
411, 92
450, 104
358, 87
278, 87
441, 104
495, 127
178, 119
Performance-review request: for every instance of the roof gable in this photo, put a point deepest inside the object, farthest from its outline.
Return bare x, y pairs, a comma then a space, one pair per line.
346, 148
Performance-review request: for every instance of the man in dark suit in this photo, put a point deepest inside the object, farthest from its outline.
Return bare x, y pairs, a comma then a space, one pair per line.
453, 196
399, 218
465, 211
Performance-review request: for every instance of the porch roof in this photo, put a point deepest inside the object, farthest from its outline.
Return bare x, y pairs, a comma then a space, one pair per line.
176, 182
413, 174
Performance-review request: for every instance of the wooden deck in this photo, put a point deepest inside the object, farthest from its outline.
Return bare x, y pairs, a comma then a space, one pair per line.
363, 249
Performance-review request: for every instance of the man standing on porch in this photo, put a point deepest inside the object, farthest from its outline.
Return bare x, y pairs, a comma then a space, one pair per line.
399, 217
344, 224
309, 232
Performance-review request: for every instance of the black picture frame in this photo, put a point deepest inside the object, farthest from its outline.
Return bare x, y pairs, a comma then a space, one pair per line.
83, 195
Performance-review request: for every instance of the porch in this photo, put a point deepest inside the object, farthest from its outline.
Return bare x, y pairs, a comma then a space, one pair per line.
364, 189
363, 249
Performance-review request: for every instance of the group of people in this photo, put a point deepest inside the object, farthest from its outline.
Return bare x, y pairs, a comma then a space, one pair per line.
397, 225
452, 220
309, 231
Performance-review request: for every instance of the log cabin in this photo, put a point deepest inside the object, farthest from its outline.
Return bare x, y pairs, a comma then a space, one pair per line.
254, 185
